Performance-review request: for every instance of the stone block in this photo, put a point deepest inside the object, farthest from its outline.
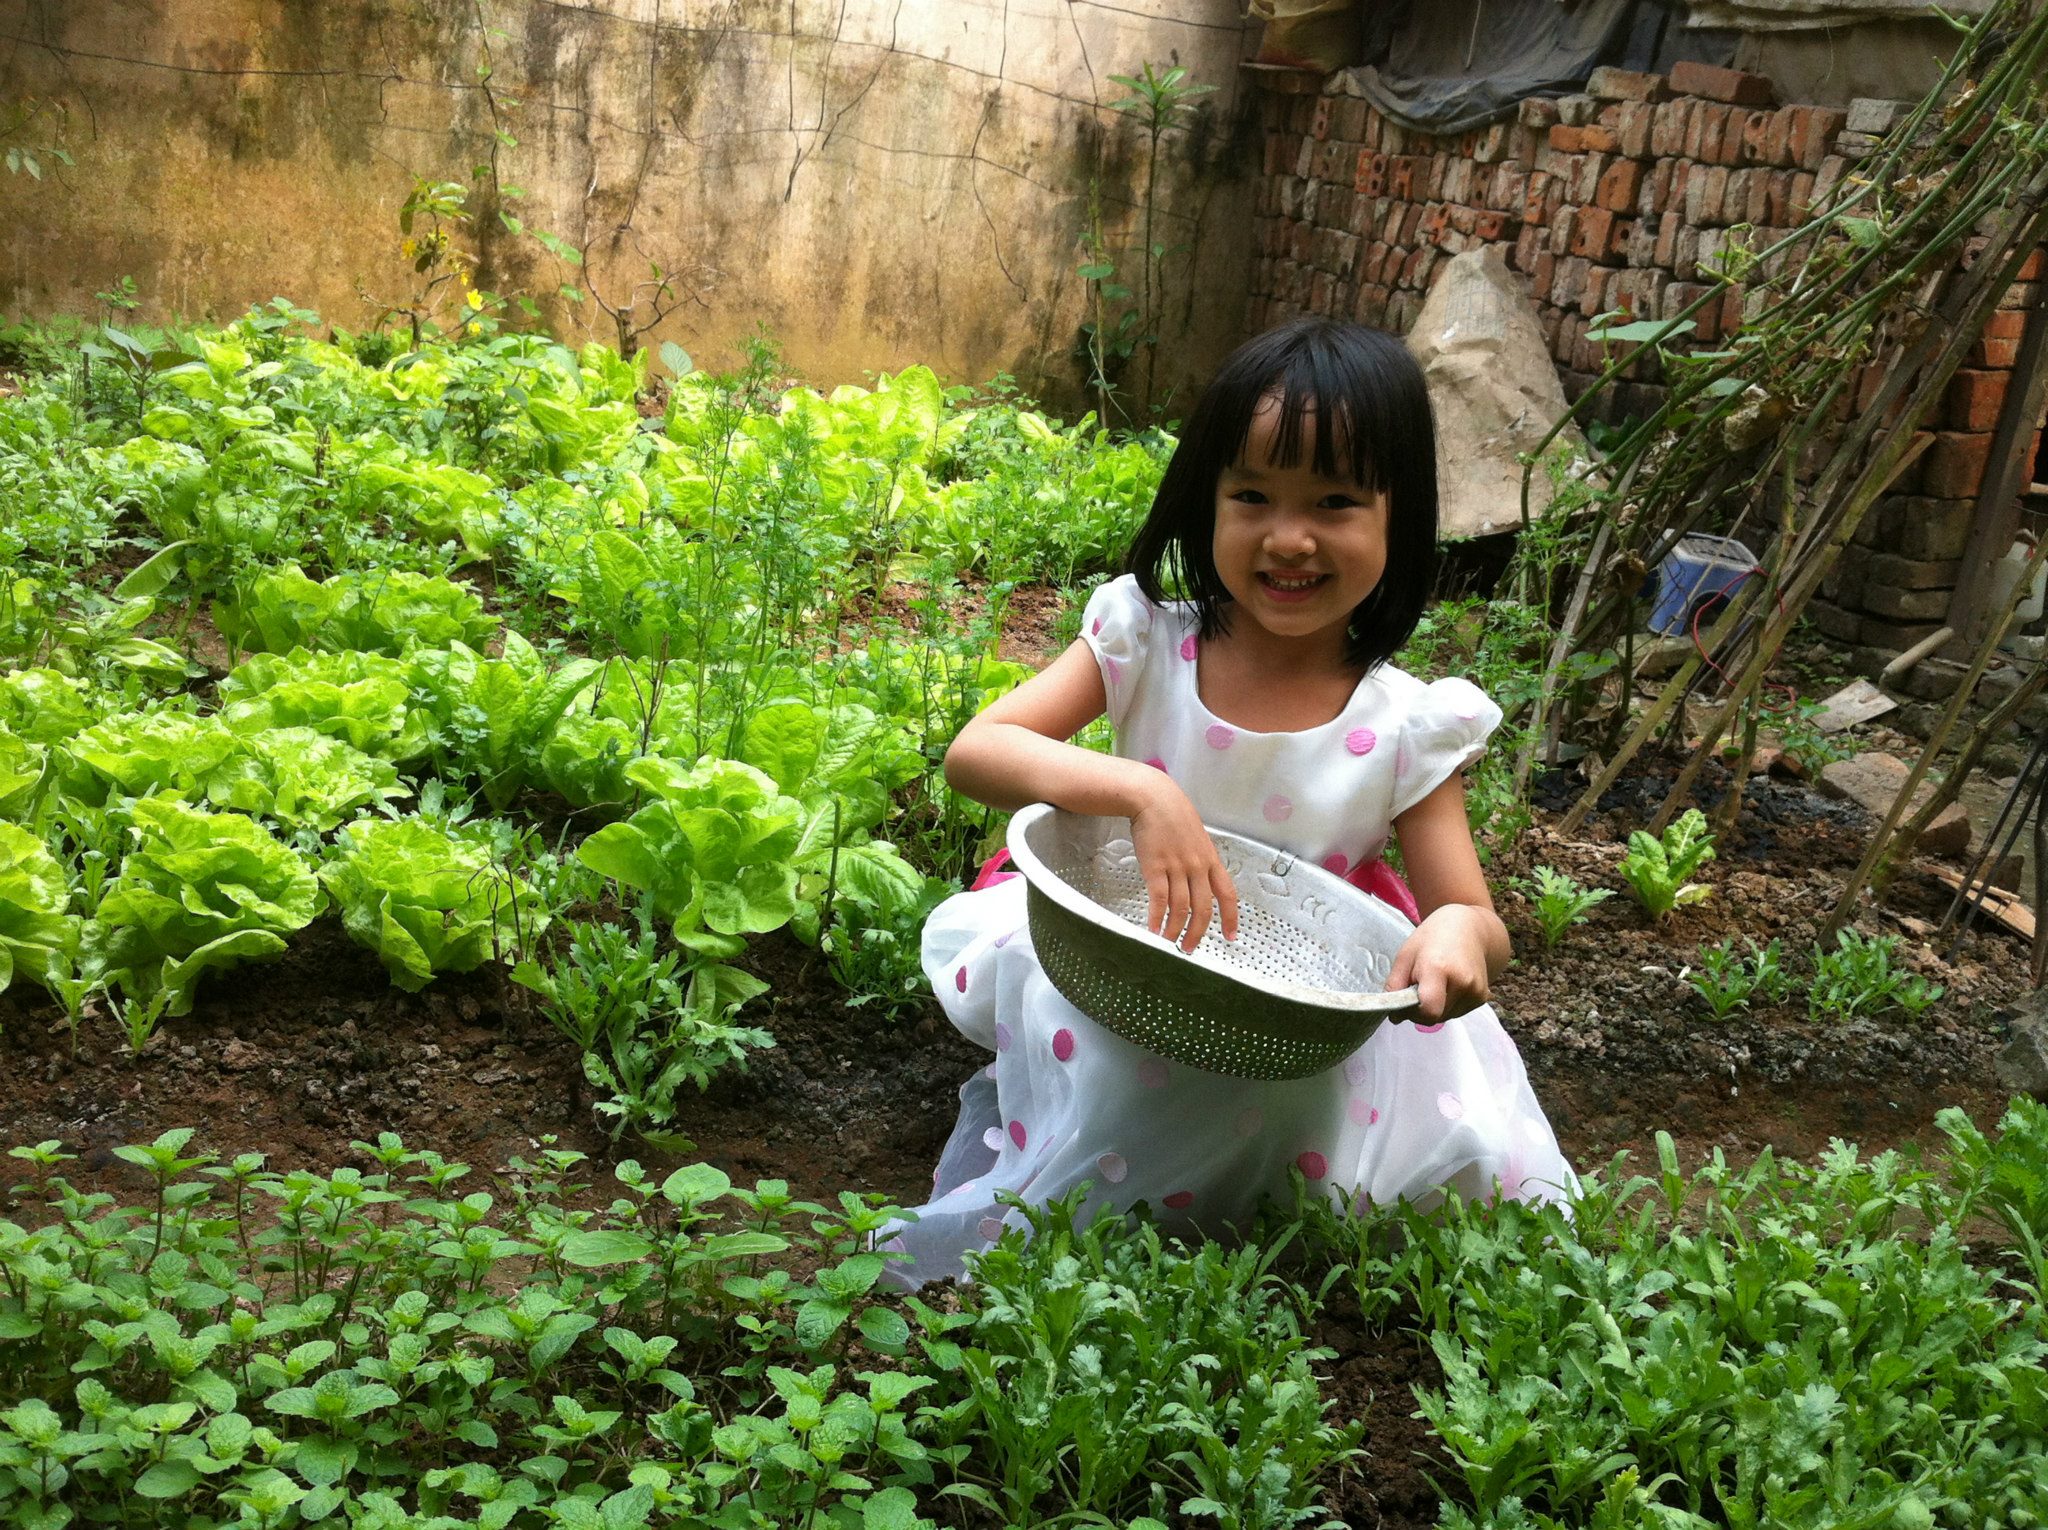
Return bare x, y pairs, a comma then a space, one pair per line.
1914, 573
1637, 121
1895, 605
1611, 84
1954, 466
1577, 111
1536, 112
1872, 114
1688, 78
1873, 782
1814, 131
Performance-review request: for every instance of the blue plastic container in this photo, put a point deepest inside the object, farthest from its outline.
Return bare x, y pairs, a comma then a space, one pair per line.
1694, 574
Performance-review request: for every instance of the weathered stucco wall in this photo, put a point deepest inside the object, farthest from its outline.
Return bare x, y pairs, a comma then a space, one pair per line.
875, 182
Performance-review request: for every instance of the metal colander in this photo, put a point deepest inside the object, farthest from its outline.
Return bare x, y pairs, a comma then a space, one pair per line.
1300, 988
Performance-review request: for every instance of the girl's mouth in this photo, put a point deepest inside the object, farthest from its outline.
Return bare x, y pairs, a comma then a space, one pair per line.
1280, 586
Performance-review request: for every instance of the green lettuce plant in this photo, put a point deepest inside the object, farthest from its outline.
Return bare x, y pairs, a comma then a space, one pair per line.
1657, 868
302, 778
428, 899
491, 718
383, 611
713, 847
360, 698
38, 932
198, 891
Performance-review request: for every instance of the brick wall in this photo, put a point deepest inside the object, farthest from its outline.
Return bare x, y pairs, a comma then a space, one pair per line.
1620, 199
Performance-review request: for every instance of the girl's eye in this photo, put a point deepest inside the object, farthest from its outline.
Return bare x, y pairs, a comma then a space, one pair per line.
1336, 502
1248, 496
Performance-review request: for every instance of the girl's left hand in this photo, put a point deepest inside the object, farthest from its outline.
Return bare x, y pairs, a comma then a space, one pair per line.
1446, 961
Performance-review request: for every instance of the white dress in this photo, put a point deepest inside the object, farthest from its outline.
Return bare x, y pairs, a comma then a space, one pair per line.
1067, 1101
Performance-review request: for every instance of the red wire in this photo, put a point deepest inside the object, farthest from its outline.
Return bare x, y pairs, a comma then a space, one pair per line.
1699, 613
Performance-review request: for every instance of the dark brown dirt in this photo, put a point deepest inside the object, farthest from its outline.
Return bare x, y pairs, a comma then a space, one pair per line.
1372, 1378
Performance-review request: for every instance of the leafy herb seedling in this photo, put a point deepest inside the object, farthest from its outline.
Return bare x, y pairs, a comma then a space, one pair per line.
1561, 902
1859, 977
1729, 982
1657, 869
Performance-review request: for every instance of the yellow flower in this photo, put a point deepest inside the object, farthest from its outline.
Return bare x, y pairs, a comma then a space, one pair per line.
410, 247
476, 301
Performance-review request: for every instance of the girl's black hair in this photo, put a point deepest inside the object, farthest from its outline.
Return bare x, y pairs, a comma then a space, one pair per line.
1368, 401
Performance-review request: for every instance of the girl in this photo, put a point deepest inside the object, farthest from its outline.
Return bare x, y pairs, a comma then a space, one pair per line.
1298, 517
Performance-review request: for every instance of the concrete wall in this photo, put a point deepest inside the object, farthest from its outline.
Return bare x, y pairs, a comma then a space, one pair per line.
876, 182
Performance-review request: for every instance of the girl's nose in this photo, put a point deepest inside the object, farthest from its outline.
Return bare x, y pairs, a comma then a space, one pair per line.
1290, 535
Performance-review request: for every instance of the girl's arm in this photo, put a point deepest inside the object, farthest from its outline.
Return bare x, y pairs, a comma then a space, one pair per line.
1461, 944
1015, 752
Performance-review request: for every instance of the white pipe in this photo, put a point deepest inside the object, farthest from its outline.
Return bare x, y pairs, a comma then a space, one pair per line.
1915, 654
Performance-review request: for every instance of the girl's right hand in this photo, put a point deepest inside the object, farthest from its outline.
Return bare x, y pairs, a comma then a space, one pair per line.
1186, 882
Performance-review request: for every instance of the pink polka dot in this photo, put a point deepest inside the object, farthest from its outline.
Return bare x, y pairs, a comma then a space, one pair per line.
991, 1228
1063, 1043
1359, 1112
1189, 647
1152, 1073
1113, 1167
1450, 1106
1374, 1118
1002, 1037
1355, 1070
1313, 1165
1095, 627
1468, 717
1361, 740
1005, 938
1429, 1030
1221, 737
1278, 809
989, 1071
1017, 1132
960, 980
1156, 763
992, 1139
1250, 1121
1404, 759
1180, 1200
1337, 863
1112, 671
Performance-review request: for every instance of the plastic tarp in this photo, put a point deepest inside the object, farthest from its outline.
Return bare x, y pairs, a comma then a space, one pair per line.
1445, 68
1807, 15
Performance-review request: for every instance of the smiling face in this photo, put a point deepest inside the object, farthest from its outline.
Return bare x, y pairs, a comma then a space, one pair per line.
1296, 550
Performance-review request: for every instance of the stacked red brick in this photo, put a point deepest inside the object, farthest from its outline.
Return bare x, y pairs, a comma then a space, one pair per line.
1621, 199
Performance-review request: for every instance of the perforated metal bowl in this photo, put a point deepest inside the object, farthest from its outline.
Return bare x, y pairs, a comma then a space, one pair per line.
1300, 988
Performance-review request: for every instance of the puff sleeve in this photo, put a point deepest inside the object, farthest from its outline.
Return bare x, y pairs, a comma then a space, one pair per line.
1446, 730
1117, 624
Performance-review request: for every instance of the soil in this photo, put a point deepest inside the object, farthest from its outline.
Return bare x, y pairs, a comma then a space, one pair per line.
298, 1057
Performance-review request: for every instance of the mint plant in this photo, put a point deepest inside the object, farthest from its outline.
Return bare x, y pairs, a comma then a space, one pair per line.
1657, 869
1561, 903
